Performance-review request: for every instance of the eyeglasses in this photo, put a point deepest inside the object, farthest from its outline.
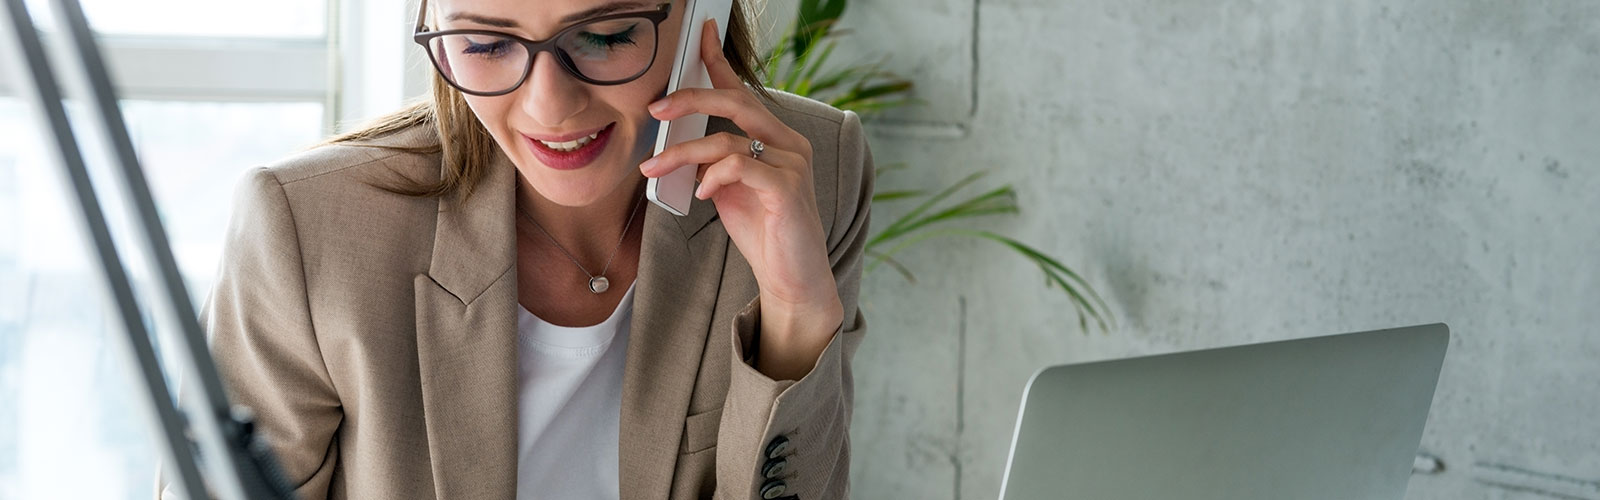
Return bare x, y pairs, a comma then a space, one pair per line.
607, 50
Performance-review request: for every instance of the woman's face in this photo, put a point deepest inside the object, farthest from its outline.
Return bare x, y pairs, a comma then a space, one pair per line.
552, 112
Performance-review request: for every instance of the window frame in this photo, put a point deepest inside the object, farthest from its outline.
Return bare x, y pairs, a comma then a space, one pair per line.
363, 66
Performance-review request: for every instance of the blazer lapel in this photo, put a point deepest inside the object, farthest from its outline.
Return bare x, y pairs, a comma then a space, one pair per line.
467, 351
466, 342
680, 274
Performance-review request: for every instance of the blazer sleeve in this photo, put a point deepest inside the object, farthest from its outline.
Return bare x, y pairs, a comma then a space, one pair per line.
260, 331
791, 439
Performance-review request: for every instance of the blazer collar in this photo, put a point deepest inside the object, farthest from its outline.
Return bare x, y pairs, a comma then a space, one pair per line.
466, 307
475, 241
680, 277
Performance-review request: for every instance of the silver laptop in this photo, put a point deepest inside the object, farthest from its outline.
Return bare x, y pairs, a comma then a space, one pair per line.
1337, 417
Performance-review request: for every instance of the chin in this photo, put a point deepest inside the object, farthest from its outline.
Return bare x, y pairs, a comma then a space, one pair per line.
567, 190
579, 188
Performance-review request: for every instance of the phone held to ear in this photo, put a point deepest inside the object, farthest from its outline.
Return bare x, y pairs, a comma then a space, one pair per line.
675, 191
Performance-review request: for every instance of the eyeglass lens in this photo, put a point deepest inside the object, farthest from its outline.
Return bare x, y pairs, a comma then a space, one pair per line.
604, 51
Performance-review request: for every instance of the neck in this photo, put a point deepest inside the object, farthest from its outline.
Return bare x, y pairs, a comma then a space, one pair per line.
590, 233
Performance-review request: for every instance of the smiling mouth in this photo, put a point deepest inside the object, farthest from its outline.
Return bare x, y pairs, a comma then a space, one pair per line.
570, 146
571, 154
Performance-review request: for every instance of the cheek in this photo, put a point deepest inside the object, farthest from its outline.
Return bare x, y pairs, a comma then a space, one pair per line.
653, 85
666, 51
653, 88
486, 109
491, 112
633, 99
645, 145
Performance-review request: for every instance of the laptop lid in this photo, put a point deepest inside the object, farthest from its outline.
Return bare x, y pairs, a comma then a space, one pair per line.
1336, 417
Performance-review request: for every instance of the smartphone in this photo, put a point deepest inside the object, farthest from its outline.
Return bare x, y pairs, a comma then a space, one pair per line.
675, 191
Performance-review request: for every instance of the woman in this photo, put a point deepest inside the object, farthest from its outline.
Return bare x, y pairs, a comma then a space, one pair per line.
470, 300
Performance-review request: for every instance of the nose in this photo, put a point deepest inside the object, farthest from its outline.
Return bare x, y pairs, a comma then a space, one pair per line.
551, 95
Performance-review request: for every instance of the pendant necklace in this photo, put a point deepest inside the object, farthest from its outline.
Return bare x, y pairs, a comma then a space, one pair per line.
598, 283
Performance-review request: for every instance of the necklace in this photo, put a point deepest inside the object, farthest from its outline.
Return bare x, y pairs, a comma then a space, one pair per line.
598, 283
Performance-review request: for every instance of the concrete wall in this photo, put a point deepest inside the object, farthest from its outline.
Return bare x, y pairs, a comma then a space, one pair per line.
1239, 171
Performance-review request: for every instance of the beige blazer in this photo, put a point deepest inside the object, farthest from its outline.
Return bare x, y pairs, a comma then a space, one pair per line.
374, 334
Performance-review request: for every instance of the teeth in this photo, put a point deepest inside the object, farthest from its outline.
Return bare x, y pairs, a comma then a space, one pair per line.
571, 145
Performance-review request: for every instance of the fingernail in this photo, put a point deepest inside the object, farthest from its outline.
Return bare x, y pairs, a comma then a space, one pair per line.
658, 106
700, 191
712, 29
648, 165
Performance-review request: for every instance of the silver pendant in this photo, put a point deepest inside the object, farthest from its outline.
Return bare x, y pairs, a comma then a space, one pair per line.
599, 284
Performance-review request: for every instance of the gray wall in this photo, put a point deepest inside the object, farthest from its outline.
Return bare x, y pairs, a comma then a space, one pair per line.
1239, 171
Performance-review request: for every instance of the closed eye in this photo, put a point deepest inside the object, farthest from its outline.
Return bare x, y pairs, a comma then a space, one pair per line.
624, 37
492, 49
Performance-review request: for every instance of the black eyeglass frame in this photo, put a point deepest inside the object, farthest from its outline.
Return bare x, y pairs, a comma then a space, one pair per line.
534, 47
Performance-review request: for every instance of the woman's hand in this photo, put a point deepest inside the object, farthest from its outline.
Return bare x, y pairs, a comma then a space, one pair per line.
768, 207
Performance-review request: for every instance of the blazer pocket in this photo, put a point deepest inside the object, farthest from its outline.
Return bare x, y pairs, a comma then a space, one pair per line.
700, 431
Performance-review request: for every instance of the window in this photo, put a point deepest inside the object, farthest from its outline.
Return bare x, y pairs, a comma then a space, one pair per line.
210, 89
209, 18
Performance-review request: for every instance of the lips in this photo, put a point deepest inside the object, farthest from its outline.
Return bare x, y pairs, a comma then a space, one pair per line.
569, 146
570, 152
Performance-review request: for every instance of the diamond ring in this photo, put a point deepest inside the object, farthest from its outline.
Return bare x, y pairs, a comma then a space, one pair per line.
756, 147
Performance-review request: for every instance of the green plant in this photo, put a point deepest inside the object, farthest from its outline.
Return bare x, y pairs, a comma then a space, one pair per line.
799, 63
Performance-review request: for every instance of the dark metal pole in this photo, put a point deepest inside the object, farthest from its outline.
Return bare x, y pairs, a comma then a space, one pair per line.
236, 459
30, 54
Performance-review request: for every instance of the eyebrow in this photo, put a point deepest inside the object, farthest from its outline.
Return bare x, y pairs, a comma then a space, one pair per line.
501, 22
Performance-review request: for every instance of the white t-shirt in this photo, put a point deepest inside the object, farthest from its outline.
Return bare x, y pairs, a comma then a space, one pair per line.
570, 405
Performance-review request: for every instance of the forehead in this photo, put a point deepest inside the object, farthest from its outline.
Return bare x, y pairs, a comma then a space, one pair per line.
534, 17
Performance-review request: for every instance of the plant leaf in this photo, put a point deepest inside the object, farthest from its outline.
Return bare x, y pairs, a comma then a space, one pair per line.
773, 58
883, 196
863, 95
872, 91
885, 259
945, 193
1055, 270
799, 64
833, 79
1001, 200
1055, 273
796, 68
874, 106
998, 201
803, 87
814, 20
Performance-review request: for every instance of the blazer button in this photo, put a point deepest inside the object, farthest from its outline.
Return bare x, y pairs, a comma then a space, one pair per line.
773, 489
774, 467
776, 448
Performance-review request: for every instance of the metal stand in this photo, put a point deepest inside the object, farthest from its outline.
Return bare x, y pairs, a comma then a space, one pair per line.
230, 457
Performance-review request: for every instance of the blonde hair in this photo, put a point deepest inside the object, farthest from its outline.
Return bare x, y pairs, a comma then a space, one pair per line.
467, 148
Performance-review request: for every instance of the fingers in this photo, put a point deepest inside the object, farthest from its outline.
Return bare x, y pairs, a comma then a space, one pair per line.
724, 158
714, 148
738, 106
730, 99
741, 169
722, 75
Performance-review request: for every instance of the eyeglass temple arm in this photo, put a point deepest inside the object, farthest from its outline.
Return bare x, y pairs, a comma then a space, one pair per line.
422, 15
